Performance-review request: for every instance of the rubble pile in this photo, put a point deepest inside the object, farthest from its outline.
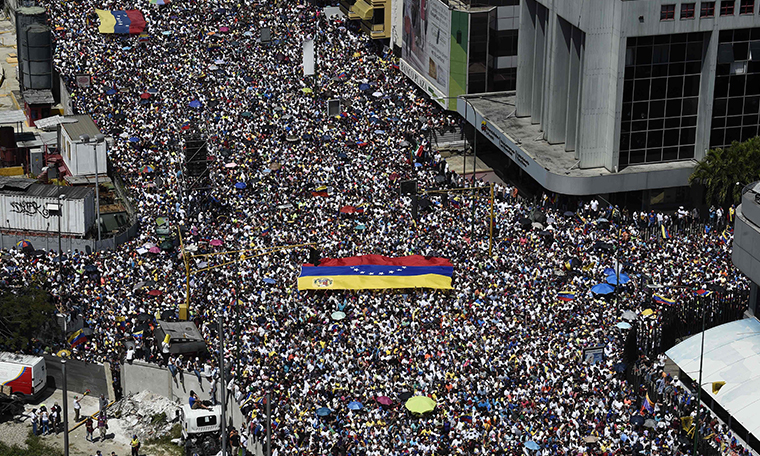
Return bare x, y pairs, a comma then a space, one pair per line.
148, 415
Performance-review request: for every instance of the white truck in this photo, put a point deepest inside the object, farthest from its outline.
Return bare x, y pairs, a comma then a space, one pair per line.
201, 430
25, 375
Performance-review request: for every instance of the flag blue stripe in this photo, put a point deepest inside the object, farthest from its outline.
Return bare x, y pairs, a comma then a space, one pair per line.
374, 270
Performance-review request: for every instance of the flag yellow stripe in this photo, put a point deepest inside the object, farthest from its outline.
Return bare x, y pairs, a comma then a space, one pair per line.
363, 282
107, 21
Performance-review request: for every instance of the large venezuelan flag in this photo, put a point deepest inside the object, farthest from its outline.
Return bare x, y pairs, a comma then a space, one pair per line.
124, 22
373, 272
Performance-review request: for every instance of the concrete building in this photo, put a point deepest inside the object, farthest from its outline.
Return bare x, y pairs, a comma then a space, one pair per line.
625, 95
79, 157
746, 248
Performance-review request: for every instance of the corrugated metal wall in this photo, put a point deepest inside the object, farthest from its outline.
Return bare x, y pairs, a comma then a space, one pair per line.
29, 213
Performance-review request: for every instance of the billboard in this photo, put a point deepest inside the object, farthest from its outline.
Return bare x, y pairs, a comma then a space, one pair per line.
427, 32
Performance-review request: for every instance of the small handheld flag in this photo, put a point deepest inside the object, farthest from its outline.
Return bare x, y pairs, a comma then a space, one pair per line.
77, 338
716, 386
663, 300
703, 293
566, 296
665, 232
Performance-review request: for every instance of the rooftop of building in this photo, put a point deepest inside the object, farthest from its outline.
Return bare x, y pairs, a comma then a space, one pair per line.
83, 126
30, 187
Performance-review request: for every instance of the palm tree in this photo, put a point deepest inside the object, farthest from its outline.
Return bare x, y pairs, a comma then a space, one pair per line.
722, 171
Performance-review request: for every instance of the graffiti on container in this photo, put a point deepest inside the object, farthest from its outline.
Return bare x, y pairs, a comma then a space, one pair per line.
29, 208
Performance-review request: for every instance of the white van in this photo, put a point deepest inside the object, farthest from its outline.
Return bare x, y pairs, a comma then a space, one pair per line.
26, 375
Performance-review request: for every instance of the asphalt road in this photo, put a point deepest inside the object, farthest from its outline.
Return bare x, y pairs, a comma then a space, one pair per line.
81, 376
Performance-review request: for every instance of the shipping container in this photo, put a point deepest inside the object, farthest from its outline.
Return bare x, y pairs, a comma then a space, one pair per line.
29, 210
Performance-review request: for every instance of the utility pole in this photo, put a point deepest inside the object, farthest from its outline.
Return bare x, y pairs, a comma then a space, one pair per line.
269, 423
223, 386
65, 408
490, 227
699, 384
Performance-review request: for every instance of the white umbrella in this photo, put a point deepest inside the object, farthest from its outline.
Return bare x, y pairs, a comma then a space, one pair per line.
377, 94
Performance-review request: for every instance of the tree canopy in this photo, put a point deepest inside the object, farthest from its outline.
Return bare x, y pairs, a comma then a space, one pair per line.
722, 169
25, 313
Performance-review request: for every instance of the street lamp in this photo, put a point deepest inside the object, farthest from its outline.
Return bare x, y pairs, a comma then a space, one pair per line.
99, 138
57, 207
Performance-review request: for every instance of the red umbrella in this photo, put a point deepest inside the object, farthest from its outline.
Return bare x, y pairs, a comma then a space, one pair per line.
154, 249
216, 242
155, 292
393, 176
145, 95
347, 210
384, 400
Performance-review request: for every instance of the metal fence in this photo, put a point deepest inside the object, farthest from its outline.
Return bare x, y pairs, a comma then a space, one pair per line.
643, 379
684, 319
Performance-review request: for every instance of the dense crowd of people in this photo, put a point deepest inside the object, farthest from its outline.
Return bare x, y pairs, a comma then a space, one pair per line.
500, 354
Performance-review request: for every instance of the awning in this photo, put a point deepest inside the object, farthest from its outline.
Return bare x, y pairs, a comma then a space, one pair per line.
363, 10
732, 355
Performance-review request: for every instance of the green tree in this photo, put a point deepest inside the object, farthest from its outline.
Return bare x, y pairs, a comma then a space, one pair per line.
722, 169
25, 313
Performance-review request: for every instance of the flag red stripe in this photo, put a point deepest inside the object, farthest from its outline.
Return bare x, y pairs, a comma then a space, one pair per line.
412, 260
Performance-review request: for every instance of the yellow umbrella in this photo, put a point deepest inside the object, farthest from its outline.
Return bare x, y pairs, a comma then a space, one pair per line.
306, 90
647, 312
420, 405
63, 353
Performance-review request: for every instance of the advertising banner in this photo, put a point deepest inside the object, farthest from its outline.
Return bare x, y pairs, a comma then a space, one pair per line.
427, 31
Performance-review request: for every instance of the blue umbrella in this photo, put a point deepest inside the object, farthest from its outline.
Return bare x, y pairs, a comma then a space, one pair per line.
619, 367
602, 289
111, 91
323, 411
241, 185
126, 48
623, 325
374, 120
361, 227
613, 279
269, 280
195, 104
248, 33
379, 132
166, 32
531, 445
609, 271
354, 405
134, 139
152, 91
418, 165
363, 87
636, 420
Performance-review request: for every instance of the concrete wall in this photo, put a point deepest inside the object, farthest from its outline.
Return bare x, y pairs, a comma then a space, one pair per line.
80, 376
49, 241
141, 376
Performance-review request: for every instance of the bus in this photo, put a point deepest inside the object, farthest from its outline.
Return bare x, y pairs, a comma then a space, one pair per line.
25, 375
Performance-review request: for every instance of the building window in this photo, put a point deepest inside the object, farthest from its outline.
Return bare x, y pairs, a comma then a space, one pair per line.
687, 10
378, 18
736, 94
727, 7
747, 7
668, 12
708, 9
660, 98
503, 43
